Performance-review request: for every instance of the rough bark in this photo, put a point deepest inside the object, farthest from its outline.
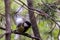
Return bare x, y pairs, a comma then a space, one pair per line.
7, 16
33, 20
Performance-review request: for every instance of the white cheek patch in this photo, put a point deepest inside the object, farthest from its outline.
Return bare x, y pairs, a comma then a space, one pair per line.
25, 25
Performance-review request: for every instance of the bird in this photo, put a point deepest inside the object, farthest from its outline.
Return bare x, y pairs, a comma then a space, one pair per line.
22, 25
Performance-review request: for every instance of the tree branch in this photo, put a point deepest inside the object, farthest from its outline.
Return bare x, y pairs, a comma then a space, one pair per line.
52, 29
41, 12
2, 15
24, 34
2, 35
2, 28
7, 16
33, 20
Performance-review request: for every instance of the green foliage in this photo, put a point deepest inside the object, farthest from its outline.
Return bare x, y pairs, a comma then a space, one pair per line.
35, 3
55, 33
45, 24
2, 6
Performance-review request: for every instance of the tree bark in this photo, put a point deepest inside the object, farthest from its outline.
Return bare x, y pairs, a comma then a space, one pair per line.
33, 20
7, 16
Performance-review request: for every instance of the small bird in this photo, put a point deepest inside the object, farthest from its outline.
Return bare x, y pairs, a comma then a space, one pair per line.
22, 24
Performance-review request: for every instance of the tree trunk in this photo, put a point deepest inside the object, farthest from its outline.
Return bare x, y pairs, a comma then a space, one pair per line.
7, 16
33, 20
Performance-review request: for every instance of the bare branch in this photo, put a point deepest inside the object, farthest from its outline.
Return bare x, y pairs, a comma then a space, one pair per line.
33, 20
23, 6
2, 28
15, 32
41, 12
2, 35
20, 4
24, 34
52, 29
7, 17
2, 15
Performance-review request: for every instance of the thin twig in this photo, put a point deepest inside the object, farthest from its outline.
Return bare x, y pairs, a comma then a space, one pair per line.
2, 28
40, 12
48, 6
2, 35
2, 15
23, 6
20, 4
24, 34
52, 28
